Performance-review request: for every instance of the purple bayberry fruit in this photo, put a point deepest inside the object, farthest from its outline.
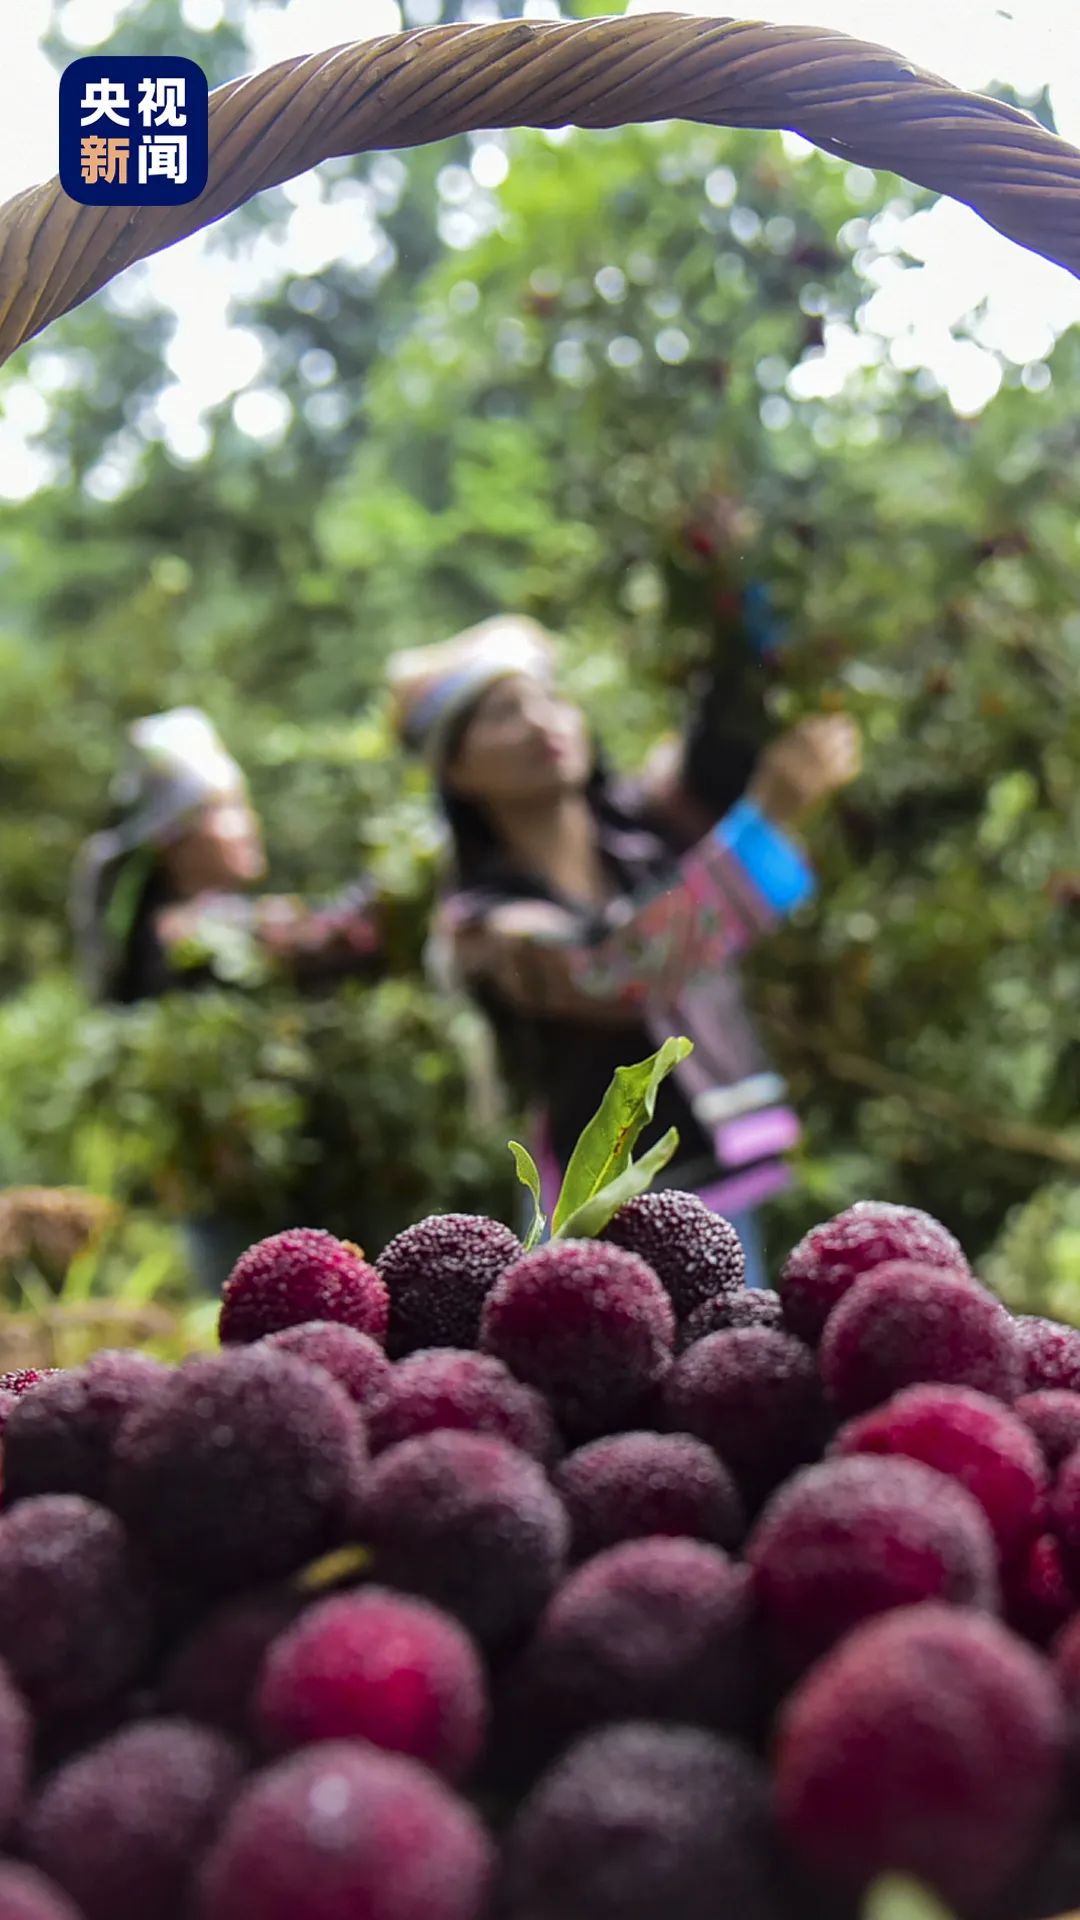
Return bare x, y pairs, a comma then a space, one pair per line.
60, 1437
341, 1831
755, 1397
380, 1667
25, 1894
24, 1379
470, 1523
750, 1307
850, 1538
694, 1253
658, 1629
443, 1387
588, 1324
644, 1822
122, 1827
1038, 1598
831, 1257
1053, 1416
244, 1465
1051, 1354
354, 1360
301, 1275
970, 1437
74, 1617
16, 1736
439, 1273
632, 1484
905, 1325
1063, 1509
212, 1675
889, 1757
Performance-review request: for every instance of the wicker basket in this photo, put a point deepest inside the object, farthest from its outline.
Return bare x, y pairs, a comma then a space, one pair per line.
850, 98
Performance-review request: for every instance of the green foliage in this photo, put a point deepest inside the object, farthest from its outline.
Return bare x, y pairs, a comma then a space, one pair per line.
895, 1898
601, 1173
545, 418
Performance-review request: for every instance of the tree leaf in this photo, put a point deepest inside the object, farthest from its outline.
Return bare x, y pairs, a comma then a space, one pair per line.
607, 1143
593, 1215
529, 1175
894, 1897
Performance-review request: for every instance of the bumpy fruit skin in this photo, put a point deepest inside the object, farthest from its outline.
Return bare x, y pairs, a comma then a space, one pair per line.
439, 1273
643, 1822
695, 1254
121, 1827
212, 1674
444, 1387
1063, 1511
750, 1307
470, 1523
16, 1740
973, 1439
1038, 1597
631, 1484
294, 1277
931, 1743
25, 1894
246, 1464
851, 1538
755, 1397
588, 1324
1053, 1416
24, 1379
906, 1325
353, 1359
74, 1615
657, 1629
1051, 1354
831, 1257
343, 1832
380, 1667
60, 1437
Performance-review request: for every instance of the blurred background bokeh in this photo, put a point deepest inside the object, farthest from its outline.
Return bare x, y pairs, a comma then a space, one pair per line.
525, 370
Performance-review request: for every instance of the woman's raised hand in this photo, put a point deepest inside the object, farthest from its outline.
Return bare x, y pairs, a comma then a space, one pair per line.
813, 759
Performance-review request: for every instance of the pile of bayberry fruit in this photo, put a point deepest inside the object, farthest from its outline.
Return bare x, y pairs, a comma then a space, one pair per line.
579, 1583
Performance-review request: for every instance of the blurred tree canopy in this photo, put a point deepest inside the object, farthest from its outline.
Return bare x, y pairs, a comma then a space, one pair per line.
562, 352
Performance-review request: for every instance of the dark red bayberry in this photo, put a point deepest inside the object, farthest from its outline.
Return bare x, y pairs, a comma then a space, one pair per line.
354, 1360
695, 1253
905, 1325
850, 1538
631, 1484
294, 1277
439, 1273
973, 1439
752, 1395
470, 1523
444, 1387
891, 1756
380, 1667
121, 1828
831, 1257
343, 1832
588, 1324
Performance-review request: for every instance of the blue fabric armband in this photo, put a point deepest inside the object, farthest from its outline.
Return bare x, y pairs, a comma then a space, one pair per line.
772, 861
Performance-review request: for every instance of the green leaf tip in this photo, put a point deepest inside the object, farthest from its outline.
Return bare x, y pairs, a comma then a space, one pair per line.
529, 1175
604, 1153
897, 1898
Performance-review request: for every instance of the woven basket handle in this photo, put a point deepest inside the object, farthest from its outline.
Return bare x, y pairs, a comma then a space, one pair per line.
847, 96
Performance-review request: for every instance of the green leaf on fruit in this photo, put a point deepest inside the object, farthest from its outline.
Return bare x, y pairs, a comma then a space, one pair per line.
605, 1149
897, 1898
529, 1175
593, 1215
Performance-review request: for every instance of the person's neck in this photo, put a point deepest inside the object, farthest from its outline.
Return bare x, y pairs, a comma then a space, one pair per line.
558, 843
